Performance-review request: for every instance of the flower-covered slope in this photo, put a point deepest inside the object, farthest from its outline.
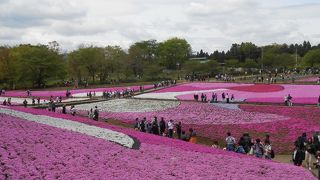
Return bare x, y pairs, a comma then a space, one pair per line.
200, 114
35, 151
106, 134
283, 124
248, 92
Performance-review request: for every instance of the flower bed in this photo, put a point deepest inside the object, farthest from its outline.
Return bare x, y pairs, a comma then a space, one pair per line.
35, 151
298, 92
130, 105
214, 122
73, 126
200, 87
260, 88
199, 114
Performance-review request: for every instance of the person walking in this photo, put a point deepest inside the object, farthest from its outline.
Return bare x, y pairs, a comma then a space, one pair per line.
227, 97
223, 96
9, 101
73, 110
96, 113
64, 109
25, 103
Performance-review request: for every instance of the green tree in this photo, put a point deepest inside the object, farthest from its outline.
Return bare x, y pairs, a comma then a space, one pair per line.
8, 67
38, 64
153, 72
203, 67
174, 51
312, 58
76, 68
250, 63
88, 59
232, 63
115, 62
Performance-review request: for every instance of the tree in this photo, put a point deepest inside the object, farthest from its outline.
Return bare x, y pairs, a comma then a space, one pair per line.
114, 62
137, 57
8, 67
174, 51
76, 69
38, 64
312, 58
153, 72
232, 63
88, 59
250, 63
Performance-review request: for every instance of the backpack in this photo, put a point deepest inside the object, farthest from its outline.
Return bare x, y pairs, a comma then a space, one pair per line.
272, 155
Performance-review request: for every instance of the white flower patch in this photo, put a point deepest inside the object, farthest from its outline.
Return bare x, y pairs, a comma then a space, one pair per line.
130, 105
83, 95
173, 95
94, 131
75, 99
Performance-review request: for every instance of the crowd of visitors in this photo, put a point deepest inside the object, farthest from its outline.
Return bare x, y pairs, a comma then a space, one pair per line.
307, 148
225, 78
7, 102
113, 94
166, 83
166, 129
198, 77
214, 98
246, 145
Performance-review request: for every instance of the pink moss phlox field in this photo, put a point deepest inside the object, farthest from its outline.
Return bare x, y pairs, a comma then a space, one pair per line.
200, 86
62, 93
34, 151
283, 124
298, 92
200, 114
260, 88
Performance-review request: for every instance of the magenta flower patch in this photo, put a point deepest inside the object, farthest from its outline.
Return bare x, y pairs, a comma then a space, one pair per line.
34, 151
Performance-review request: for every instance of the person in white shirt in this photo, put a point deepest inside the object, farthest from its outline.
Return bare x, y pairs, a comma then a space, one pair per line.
230, 140
170, 128
267, 149
73, 110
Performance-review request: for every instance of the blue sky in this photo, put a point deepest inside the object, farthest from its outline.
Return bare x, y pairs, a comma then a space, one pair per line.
206, 24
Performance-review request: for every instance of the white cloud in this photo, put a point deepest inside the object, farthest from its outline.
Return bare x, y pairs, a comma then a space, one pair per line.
207, 24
